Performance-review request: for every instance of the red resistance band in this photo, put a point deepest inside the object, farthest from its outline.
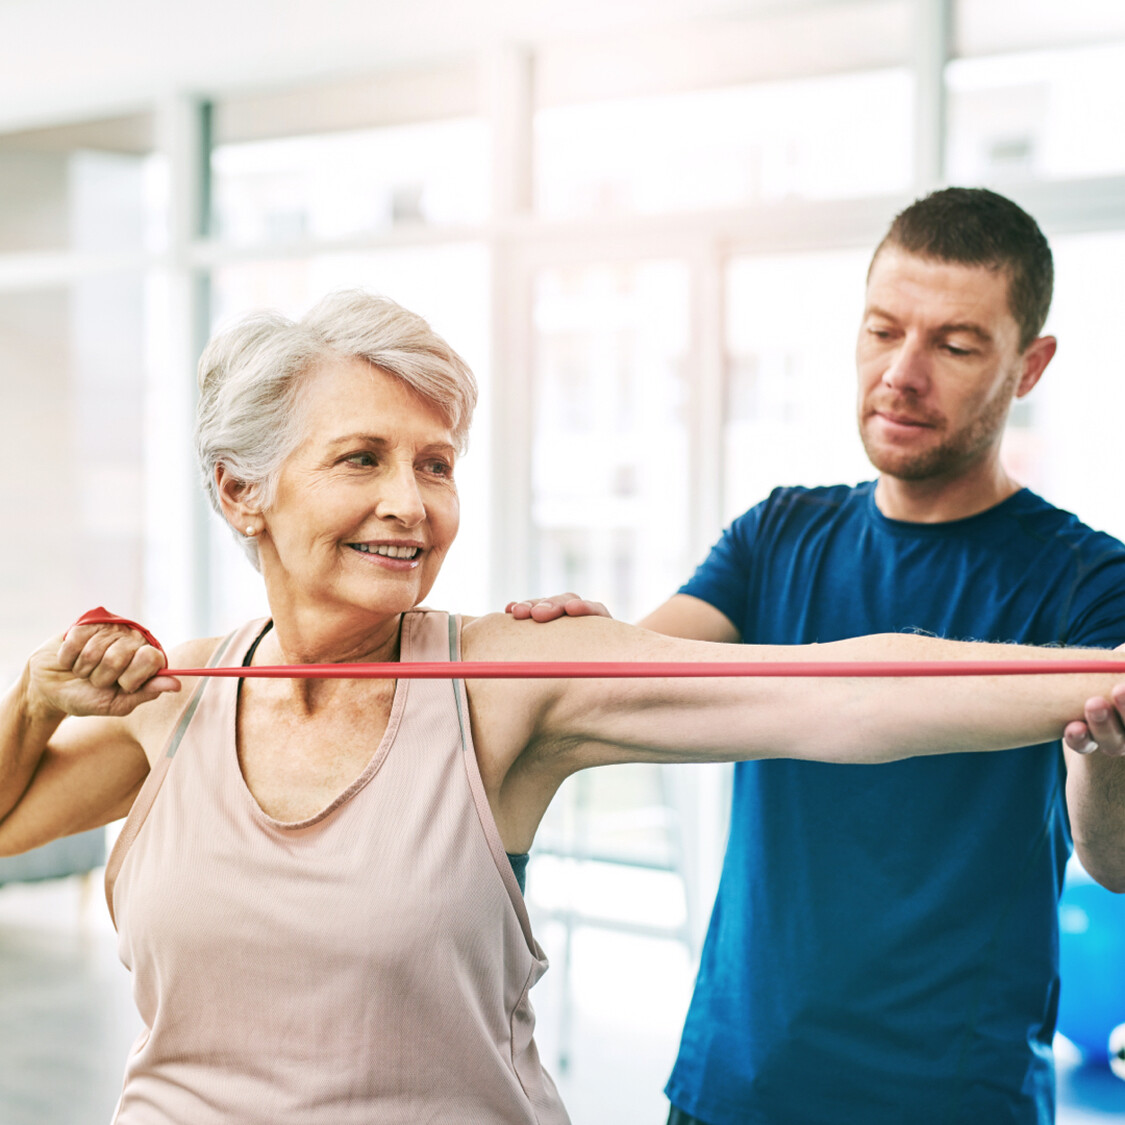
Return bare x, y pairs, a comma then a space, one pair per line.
102, 616
620, 670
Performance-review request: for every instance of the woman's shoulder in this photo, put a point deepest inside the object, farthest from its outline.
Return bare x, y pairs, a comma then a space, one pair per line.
480, 635
499, 636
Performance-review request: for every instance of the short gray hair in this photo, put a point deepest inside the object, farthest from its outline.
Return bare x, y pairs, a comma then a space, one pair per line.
251, 375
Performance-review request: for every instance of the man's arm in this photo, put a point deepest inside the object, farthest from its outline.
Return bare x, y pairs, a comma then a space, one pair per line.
692, 619
1095, 789
1095, 782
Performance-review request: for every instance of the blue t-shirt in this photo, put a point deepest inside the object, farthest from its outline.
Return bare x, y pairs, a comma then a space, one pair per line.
883, 948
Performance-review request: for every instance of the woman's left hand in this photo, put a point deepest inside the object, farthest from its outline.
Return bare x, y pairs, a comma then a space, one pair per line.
1104, 729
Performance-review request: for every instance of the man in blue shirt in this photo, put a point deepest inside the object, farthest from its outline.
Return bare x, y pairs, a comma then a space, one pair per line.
884, 944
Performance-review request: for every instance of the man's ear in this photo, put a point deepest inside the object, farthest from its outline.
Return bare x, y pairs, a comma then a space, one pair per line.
236, 499
1039, 353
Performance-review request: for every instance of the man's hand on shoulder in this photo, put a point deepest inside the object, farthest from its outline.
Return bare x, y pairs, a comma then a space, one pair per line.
554, 607
680, 616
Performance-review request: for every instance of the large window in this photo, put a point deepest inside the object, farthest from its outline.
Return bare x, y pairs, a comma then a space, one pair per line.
610, 447
72, 447
339, 185
1079, 397
92, 187
801, 139
1049, 115
789, 409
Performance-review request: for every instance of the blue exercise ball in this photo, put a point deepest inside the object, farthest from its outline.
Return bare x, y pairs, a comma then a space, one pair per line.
1117, 1051
1091, 964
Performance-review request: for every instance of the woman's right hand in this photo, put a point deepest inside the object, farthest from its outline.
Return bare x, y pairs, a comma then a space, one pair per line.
104, 670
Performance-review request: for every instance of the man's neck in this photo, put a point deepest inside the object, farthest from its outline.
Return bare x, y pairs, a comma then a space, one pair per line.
941, 500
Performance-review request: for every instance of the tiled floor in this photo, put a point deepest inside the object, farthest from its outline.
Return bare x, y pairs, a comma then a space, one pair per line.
66, 1013
66, 1019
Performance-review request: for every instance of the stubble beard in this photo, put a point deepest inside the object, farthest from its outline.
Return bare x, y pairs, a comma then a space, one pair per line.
953, 454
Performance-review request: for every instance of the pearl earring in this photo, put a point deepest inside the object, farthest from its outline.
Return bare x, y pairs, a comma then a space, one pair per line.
250, 532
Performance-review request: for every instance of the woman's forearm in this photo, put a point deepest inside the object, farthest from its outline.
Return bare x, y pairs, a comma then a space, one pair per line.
840, 720
25, 731
926, 715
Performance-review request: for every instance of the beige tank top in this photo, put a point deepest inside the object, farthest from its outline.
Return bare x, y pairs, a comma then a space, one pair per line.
367, 966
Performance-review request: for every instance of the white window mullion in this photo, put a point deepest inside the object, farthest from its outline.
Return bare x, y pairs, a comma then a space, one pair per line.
508, 88
708, 348
177, 563
933, 22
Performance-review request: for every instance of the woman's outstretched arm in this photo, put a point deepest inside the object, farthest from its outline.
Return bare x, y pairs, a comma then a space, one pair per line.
580, 723
869, 720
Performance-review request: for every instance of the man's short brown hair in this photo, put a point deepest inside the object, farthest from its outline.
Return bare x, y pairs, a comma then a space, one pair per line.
978, 227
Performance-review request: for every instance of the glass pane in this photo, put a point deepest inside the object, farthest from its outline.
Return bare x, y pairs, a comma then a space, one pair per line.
340, 184
95, 187
1073, 416
622, 816
72, 486
985, 27
449, 286
610, 442
790, 397
1050, 115
809, 139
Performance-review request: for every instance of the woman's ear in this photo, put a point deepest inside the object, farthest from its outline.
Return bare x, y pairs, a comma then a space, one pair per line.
236, 501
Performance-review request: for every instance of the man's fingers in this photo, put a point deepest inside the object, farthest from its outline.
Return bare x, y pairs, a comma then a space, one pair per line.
582, 607
1077, 738
554, 607
543, 609
549, 609
1106, 721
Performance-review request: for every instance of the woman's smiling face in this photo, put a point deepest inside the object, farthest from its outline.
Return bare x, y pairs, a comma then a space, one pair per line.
365, 508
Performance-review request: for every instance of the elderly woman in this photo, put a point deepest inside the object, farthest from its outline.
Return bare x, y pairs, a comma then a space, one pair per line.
314, 888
